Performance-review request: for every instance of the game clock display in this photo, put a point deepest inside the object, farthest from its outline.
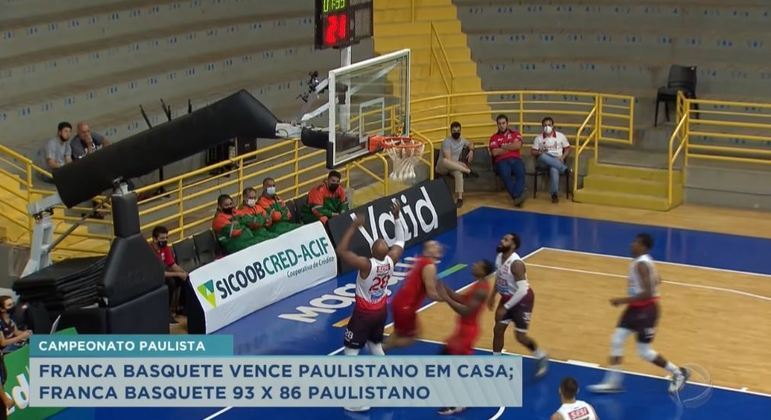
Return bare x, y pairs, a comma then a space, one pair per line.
340, 23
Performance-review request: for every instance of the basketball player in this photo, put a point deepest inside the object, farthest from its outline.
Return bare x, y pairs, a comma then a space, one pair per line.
516, 303
640, 316
572, 409
467, 306
369, 314
421, 283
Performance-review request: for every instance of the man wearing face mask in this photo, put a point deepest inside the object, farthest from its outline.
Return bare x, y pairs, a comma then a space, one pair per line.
551, 149
277, 210
12, 338
326, 200
254, 216
229, 229
452, 162
174, 274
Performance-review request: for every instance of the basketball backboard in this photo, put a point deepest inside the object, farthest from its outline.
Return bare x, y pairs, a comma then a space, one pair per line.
367, 98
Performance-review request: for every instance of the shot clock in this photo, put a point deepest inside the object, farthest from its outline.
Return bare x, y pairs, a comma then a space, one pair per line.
341, 23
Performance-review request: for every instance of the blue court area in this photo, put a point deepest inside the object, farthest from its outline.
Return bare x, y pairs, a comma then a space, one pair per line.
282, 328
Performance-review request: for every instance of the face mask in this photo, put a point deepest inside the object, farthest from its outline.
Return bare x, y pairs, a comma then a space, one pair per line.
333, 187
271, 191
251, 202
548, 129
456, 136
162, 244
228, 210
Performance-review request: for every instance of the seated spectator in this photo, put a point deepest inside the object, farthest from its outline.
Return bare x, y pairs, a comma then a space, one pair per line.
326, 200
277, 210
86, 142
505, 148
231, 234
11, 338
453, 161
551, 149
253, 216
57, 151
174, 274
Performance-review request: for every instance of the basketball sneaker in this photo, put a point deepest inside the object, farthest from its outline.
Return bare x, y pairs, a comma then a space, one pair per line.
449, 411
678, 380
356, 409
610, 384
541, 367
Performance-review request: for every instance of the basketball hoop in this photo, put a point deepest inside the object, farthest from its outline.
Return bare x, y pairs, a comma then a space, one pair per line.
403, 151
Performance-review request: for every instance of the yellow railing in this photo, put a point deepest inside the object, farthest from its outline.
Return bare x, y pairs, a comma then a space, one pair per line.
591, 138
439, 59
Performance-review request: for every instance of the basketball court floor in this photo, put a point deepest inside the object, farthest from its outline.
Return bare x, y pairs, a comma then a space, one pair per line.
716, 300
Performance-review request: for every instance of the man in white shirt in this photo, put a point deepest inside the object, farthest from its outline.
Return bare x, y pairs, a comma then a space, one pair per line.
571, 408
551, 149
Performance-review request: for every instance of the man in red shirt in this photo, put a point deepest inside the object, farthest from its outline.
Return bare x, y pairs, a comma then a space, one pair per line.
175, 274
421, 283
505, 146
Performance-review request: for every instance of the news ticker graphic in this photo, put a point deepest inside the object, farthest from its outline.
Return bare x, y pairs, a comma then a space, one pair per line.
201, 371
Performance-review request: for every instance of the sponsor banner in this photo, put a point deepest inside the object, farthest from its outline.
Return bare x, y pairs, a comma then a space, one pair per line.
17, 386
241, 283
427, 209
278, 381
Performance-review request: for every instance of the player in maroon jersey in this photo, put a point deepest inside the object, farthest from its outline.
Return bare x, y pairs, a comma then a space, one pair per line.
421, 283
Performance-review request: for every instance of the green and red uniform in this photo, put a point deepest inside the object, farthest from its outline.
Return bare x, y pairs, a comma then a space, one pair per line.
322, 203
278, 213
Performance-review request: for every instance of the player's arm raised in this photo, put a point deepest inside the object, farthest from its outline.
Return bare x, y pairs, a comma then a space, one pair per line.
647, 284
397, 249
430, 281
348, 256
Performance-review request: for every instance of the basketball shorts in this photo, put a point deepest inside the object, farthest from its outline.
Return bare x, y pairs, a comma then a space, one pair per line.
365, 326
462, 342
641, 320
520, 314
405, 320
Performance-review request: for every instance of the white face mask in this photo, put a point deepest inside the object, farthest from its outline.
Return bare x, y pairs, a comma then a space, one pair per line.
251, 202
548, 129
271, 191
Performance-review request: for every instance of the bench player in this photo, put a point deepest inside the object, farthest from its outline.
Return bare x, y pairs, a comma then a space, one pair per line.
640, 316
571, 408
467, 305
370, 311
517, 301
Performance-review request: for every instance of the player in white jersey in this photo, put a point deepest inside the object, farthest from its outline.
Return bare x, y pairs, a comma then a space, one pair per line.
367, 322
640, 316
517, 301
571, 408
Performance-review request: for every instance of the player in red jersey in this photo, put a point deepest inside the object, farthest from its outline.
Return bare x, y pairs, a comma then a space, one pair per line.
467, 306
421, 283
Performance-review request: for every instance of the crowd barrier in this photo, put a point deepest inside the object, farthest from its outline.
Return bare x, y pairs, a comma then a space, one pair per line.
239, 284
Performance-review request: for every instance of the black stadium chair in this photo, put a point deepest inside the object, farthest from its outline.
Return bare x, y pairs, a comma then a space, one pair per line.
681, 78
206, 246
186, 254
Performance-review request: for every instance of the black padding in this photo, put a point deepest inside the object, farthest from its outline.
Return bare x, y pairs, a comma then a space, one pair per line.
132, 269
206, 246
147, 314
196, 322
125, 215
37, 318
86, 320
238, 115
184, 251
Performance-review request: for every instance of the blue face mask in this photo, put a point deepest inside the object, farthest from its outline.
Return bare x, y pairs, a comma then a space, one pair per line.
271, 191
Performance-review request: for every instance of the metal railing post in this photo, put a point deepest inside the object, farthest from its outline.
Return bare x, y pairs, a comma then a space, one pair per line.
181, 207
296, 169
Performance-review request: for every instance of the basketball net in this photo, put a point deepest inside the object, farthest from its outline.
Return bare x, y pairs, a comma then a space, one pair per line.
404, 152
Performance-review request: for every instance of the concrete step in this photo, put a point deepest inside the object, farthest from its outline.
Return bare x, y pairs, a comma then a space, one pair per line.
422, 14
422, 54
450, 26
617, 199
633, 172
624, 185
460, 69
393, 41
436, 85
